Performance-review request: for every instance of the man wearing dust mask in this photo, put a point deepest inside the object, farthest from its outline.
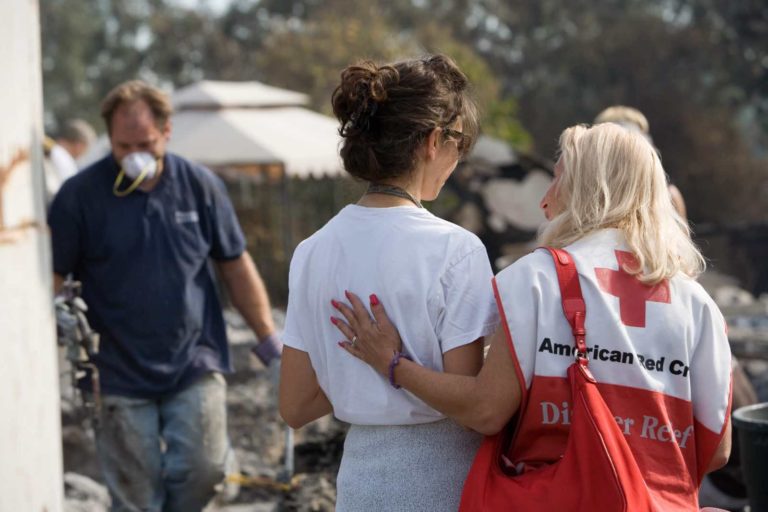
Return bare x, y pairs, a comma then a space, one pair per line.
143, 229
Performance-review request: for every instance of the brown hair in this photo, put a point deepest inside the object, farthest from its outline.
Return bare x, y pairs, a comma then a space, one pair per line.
387, 111
137, 90
78, 130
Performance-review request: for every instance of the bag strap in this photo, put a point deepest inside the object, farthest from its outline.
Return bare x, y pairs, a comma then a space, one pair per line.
573, 302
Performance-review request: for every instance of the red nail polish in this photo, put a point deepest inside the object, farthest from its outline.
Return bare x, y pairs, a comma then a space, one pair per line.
374, 300
341, 344
333, 320
334, 304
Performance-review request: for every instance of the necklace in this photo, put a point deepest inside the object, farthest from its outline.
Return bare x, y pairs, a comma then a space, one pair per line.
392, 190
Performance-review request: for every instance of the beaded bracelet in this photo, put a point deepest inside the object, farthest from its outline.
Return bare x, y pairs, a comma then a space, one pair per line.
395, 360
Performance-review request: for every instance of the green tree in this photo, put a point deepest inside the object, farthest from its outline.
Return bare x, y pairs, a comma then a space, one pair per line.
69, 28
308, 52
692, 67
697, 68
499, 112
90, 46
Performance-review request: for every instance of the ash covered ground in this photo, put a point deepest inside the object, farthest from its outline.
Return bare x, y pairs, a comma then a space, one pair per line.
257, 435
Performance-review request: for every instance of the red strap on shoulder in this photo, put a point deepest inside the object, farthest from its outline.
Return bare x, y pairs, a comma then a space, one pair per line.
573, 302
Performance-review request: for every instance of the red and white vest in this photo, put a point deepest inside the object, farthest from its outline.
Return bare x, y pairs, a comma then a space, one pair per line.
660, 355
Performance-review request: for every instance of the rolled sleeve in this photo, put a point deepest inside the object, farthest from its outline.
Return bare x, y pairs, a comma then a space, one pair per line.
469, 310
298, 308
228, 241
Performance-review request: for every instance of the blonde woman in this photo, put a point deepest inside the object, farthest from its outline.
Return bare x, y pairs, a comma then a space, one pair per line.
656, 340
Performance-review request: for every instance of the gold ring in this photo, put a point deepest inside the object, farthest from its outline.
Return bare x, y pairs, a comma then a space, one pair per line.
354, 340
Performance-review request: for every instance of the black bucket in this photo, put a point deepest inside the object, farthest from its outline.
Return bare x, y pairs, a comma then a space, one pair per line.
752, 425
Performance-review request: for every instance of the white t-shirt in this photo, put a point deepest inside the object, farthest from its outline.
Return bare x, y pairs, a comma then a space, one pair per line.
433, 278
64, 163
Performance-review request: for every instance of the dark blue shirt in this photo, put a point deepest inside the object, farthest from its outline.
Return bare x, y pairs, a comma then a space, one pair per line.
145, 264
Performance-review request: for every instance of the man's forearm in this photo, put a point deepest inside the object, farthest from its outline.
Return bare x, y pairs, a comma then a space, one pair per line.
248, 294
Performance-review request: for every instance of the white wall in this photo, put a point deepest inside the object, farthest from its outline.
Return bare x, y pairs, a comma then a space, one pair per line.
30, 432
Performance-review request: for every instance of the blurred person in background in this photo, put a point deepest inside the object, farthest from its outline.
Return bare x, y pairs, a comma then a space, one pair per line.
663, 365
61, 153
404, 127
143, 230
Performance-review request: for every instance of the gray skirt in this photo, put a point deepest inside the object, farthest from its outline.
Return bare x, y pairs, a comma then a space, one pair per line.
403, 468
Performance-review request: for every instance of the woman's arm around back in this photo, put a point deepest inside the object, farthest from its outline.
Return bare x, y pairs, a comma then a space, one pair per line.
301, 398
484, 403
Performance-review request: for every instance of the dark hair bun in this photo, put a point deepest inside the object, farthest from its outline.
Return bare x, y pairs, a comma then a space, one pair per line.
386, 112
356, 99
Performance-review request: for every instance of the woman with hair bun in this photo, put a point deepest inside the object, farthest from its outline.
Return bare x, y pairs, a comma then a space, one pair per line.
656, 342
404, 127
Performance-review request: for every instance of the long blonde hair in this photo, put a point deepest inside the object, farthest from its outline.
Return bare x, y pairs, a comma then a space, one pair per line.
613, 178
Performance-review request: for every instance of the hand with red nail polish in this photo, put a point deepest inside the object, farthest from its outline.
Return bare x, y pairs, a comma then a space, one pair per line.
375, 339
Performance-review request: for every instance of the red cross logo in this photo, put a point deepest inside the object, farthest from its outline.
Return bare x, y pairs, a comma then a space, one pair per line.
632, 293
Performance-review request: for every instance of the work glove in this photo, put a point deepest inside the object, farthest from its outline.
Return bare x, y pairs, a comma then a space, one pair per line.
66, 320
66, 317
268, 350
73, 330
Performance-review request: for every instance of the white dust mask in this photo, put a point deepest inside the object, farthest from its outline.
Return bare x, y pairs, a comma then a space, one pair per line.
138, 166
140, 163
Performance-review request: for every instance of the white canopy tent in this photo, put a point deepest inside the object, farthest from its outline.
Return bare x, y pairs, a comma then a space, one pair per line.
215, 94
233, 124
251, 132
304, 142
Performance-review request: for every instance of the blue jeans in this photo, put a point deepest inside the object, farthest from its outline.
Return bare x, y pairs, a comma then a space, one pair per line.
166, 454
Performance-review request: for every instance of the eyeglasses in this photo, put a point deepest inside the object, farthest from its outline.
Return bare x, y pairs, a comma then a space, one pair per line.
459, 137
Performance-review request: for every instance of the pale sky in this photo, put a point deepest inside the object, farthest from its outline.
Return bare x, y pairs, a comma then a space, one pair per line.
217, 6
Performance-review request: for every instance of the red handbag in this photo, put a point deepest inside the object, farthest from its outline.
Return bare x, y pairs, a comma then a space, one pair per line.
597, 471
